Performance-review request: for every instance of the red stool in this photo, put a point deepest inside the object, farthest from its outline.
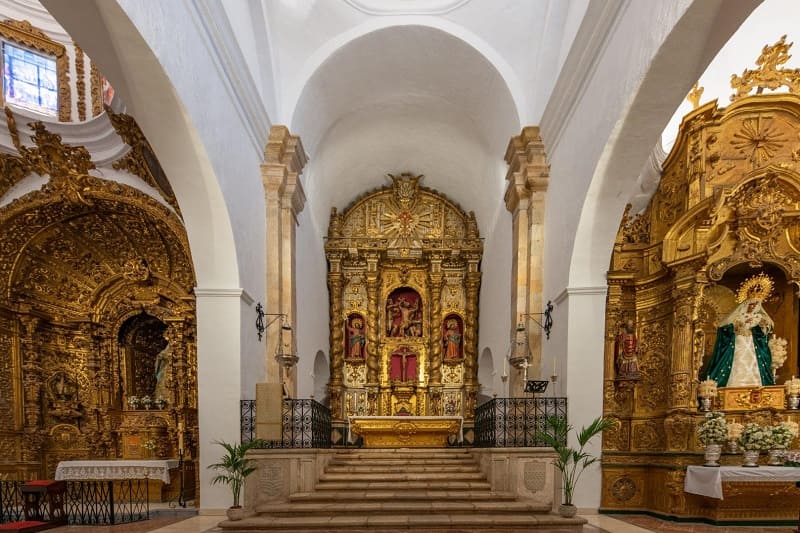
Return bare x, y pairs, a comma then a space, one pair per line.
38, 493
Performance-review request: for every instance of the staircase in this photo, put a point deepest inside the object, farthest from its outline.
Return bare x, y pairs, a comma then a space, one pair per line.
396, 489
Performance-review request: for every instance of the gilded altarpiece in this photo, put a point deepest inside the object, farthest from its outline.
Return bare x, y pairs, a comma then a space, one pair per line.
96, 313
726, 209
404, 277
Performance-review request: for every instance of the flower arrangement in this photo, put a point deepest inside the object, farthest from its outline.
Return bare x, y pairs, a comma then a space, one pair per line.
734, 430
708, 388
149, 444
777, 348
755, 437
714, 429
792, 386
783, 435
133, 402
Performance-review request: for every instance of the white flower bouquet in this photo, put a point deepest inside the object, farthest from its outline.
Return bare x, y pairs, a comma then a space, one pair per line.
783, 435
777, 348
734, 430
755, 437
714, 429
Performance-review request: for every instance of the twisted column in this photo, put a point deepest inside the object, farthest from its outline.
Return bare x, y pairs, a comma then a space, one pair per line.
335, 283
435, 374
373, 357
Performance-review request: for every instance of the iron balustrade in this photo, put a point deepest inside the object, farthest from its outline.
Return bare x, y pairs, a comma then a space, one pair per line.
514, 422
304, 424
247, 420
11, 507
87, 503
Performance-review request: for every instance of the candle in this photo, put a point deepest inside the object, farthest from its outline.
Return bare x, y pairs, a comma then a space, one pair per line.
554, 366
180, 437
505, 366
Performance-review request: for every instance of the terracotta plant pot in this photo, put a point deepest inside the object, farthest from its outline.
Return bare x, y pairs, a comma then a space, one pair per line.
236, 513
567, 510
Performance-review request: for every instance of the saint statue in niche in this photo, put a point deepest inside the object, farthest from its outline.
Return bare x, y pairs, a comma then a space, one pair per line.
355, 337
451, 338
404, 313
742, 355
160, 372
626, 352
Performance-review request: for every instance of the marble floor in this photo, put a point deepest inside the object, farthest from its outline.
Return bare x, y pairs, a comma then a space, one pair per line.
597, 524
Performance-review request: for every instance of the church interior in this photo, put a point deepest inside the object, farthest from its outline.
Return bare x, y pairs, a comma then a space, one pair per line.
382, 221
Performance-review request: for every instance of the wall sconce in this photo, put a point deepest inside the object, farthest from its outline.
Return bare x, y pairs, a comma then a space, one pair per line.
260, 327
519, 353
284, 354
547, 318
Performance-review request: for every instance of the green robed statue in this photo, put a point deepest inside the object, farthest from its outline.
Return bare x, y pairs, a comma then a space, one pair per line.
741, 356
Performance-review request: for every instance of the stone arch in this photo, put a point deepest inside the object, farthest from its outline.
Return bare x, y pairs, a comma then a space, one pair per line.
322, 374
486, 376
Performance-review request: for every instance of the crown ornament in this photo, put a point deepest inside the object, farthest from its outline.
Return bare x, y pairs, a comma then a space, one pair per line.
757, 287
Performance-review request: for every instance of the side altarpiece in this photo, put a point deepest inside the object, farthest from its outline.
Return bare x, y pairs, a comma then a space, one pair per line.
404, 277
725, 211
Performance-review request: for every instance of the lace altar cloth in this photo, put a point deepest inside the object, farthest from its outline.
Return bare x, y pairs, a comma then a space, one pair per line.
123, 469
707, 481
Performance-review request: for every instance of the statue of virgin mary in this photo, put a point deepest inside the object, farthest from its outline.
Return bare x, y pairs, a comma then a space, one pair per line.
741, 356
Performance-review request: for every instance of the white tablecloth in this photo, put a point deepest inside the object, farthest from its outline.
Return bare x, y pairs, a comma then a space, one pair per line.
707, 481
123, 469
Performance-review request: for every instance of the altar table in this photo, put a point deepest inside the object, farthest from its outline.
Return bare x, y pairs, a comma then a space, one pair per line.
122, 469
405, 431
707, 481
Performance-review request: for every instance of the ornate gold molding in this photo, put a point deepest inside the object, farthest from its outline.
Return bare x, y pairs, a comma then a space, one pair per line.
80, 81
768, 75
141, 160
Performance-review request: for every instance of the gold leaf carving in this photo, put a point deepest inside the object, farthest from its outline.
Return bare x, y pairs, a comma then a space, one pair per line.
769, 75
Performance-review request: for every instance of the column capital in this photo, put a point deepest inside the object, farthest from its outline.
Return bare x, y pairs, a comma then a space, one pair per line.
528, 171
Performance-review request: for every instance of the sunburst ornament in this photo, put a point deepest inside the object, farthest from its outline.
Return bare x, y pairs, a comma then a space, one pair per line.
757, 287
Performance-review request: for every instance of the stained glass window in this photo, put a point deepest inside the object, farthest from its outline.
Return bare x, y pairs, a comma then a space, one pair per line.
29, 80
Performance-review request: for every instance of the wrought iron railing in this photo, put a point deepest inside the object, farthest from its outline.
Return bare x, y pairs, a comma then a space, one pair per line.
11, 501
305, 424
247, 420
514, 422
87, 503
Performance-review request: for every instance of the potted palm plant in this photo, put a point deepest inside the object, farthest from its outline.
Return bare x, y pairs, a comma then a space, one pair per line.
233, 467
571, 462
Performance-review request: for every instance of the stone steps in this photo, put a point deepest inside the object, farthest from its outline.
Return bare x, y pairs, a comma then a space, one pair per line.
359, 477
402, 506
400, 468
415, 489
394, 522
391, 495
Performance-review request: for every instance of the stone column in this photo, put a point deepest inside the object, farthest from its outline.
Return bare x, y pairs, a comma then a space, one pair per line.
219, 378
527, 176
284, 159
